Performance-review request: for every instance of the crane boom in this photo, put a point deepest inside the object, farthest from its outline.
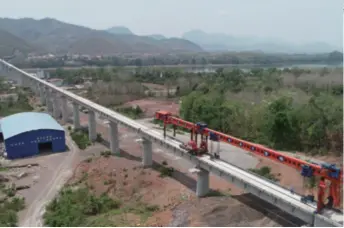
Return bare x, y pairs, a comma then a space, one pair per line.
308, 169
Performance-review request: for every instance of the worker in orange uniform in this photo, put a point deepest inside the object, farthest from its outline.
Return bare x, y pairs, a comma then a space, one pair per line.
321, 193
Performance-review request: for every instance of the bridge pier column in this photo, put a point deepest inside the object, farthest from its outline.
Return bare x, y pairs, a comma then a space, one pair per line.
76, 118
31, 84
64, 110
147, 158
114, 144
15, 76
202, 187
59, 105
25, 80
42, 95
35, 88
49, 101
92, 131
56, 111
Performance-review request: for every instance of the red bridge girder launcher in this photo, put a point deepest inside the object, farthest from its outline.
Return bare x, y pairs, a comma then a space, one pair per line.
329, 172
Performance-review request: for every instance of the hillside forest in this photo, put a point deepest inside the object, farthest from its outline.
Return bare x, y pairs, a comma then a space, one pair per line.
290, 109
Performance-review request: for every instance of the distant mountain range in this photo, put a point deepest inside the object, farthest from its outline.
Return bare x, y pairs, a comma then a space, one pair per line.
28, 35
121, 30
49, 35
224, 42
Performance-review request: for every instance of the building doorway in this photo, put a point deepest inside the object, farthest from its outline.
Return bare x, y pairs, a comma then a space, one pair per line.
46, 147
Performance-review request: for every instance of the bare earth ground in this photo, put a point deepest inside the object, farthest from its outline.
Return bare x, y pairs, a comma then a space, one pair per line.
125, 179
150, 106
185, 182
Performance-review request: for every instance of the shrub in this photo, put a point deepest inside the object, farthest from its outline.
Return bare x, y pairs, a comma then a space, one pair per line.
71, 208
166, 171
81, 139
105, 153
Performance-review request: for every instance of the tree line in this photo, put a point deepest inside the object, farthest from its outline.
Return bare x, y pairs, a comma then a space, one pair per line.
251, 58
289, 109
278, 120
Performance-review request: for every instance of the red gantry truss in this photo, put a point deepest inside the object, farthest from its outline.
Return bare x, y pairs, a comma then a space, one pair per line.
307, 169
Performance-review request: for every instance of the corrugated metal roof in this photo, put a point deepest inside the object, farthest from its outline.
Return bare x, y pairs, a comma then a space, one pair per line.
27, 121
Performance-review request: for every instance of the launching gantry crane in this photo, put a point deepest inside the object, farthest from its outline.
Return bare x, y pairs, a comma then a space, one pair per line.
326, 172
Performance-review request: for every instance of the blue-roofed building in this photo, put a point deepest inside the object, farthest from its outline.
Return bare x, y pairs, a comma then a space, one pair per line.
29, 133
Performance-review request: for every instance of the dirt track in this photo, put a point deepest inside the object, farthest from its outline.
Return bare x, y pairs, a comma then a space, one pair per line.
32, 216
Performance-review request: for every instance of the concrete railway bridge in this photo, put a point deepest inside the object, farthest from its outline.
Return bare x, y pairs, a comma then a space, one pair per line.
53, 96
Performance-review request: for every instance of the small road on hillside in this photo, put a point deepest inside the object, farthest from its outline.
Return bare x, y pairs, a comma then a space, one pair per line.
34, 213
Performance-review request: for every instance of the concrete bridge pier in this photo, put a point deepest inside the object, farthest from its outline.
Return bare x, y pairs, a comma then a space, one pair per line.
56, 110
76, 117
147, 158
32, 85
202, 187
35, 88
114, 143
24, 80
49, 101
92, 131
64, 109
18, 77
42, 95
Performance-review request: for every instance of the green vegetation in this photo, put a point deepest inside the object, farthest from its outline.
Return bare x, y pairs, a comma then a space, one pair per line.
272, 107
99, 138
81, 207
166, 171
73, 208
179, 130
10, 106
132, 112
218, 193
80, 137
10, 191
117, 217
8, 211
3, 168
265, 171
200, 60
106, 153
311, 182
286, 109
9, 205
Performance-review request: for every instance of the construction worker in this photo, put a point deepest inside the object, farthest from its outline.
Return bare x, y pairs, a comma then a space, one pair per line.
203, 147
321, 193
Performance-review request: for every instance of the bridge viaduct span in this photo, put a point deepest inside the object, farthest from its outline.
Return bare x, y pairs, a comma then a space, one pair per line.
52, 96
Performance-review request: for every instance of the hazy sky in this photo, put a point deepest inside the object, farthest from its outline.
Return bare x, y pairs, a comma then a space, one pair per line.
298, 21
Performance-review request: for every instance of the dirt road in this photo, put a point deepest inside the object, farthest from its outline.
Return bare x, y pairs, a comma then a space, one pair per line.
34, 213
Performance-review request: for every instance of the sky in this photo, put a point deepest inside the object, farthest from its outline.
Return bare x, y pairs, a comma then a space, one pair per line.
296, 21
